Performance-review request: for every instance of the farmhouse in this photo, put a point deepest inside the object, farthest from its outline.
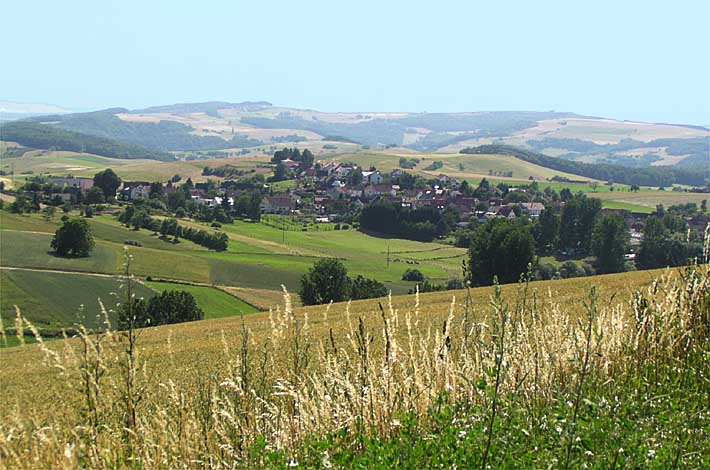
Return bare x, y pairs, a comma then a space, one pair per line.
372, 177
373, 190
534, 209
82, 184
277, 204
134, 189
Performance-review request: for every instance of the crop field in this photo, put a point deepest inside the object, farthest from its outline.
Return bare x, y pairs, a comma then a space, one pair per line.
572, 365
214, 302
63, 162
52, 300
651, 199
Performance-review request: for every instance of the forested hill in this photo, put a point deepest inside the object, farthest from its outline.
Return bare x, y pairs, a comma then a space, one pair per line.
644, 176
165, 135
44, 136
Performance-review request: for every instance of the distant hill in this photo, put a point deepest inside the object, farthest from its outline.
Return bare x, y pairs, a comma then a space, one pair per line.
218, 125
43, 136
10, 110
648, 176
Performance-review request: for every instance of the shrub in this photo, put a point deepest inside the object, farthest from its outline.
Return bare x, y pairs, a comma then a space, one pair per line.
413, 275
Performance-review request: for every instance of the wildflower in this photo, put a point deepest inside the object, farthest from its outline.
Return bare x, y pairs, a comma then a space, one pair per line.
462, 434
69, 451
651, 453
292, 463
325, 460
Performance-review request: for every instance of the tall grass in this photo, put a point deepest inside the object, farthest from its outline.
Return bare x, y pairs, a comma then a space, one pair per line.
517, 383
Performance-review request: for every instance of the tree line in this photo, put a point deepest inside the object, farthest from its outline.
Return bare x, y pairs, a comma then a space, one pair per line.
422, 224
139, 218
646, 176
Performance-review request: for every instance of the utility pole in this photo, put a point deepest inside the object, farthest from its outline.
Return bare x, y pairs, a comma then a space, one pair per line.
388, 256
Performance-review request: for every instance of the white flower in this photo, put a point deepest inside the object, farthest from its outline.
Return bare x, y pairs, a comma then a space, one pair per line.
651, 453
69, 451
325, 460
292, 463
462, 434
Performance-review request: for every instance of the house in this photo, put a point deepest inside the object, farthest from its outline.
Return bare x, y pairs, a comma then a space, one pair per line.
134, 189
505, 212
277, 204
82, 184
373, 190
290, 164
372, 177
534, 209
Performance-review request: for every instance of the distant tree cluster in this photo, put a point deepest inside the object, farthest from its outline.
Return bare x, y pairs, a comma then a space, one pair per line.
306, 159
224, 171
168, 307
139, 218
421, 224
328, 281
666, 242
500, 249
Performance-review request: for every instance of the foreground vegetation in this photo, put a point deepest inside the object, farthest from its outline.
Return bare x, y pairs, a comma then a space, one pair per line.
528, 379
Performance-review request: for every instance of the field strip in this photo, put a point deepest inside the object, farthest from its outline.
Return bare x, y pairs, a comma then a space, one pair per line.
60, 271
24, 231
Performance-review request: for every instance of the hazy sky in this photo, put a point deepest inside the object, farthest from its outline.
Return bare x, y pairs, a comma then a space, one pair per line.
642, 60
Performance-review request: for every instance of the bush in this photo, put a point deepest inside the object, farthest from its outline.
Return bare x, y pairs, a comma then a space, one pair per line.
413, 275
570, 269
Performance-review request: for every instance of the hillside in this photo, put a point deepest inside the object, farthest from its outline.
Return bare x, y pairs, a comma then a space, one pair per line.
214, 126
418, 380
43, 136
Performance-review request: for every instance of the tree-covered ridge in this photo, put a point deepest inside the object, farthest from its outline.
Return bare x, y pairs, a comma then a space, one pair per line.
208, 107
647, 176
163, 135
391, 131
696, 148
43, 136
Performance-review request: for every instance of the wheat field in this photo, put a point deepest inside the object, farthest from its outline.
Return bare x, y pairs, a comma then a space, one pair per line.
254, 392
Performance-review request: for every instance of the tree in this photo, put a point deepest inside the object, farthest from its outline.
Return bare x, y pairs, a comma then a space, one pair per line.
108, 182
502, 249
610, 241
326, 281
173, 306
578, 217
94, 195
73, 238
363, 288
547, 230
48, 212
664, 243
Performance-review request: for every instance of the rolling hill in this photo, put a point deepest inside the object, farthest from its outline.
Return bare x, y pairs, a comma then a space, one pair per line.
225, 127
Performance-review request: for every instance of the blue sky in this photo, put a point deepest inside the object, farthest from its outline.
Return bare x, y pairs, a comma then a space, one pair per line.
639, 60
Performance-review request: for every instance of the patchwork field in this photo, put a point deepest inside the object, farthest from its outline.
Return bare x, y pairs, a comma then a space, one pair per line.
52, 300
260, 259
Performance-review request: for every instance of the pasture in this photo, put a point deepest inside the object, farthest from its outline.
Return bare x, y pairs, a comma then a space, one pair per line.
214, 302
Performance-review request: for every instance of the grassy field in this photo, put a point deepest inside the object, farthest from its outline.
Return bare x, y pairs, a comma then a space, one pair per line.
258, 261
54, 300
214, 302
460, 166
417, 381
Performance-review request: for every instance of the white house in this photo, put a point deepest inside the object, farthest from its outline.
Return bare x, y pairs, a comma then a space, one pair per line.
372, 177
